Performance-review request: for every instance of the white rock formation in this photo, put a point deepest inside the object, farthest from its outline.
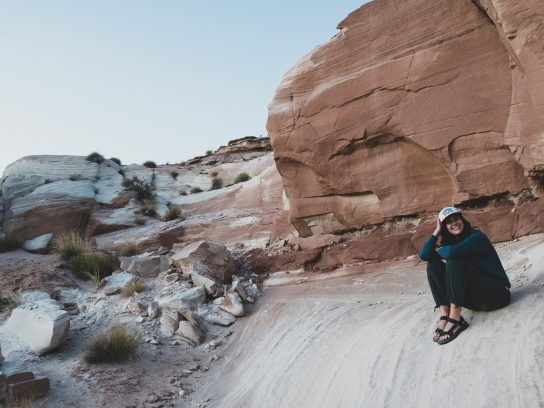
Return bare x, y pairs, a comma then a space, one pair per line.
169, 322
39, 322
39, 244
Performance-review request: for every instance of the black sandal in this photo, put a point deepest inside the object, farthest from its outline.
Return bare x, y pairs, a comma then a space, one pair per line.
461, 324
438, 330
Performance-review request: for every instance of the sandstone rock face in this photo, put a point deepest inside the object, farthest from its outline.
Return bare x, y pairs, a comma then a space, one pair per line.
207, 259
39, 322
390, 119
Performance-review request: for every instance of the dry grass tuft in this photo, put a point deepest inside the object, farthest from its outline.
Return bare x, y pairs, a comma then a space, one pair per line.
119, 344
69, 244
10, 244
217, 183
240, 178
173, 213
136, 286
93, 266
129, 248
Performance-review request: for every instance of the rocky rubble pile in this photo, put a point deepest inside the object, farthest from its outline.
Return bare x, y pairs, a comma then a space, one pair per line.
189, 296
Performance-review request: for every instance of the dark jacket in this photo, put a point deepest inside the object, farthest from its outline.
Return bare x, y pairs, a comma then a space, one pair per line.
476, 249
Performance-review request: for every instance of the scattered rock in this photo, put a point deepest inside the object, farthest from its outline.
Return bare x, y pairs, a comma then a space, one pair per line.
231, 303
113, 284
189, 298
217, 316
204, 282
146, 265
153, 309
190, 333
169, 322
138, 308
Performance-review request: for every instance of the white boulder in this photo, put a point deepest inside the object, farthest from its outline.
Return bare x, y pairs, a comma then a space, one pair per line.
114, 284
39, 322
38, 245
231, 303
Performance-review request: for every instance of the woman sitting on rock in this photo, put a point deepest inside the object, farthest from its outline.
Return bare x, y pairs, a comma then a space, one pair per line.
472, 276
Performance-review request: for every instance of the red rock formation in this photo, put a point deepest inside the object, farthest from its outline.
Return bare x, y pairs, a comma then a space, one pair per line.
412, 106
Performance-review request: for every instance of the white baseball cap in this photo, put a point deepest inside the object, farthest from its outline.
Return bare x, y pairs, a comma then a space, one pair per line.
446, 212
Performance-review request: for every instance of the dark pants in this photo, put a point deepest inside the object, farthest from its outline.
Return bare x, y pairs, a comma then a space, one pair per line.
462, 284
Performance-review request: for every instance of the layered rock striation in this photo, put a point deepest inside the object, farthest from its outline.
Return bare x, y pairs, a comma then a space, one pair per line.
412, 106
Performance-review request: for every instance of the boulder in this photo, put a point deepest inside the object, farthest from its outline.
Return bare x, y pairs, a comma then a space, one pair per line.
169, 322
107, 220
146, 265
204, 282
138, 309
190, 333
187, 299
231, 303
39, 322
38, 245
217, 316
365, 130
206, 258
114, 284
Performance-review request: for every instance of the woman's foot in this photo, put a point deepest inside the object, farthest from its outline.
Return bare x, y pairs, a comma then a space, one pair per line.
452, 330
439, 331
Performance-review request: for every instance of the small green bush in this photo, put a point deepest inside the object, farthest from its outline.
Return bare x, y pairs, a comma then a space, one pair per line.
183, 193
208, 152
241, 178
73, 177
93, 265
183, 163
129, 248
150, 164
140, 221
143, 190
95, 158
148, 208
214, 174
136, 286
115, 160
195, 190
174, 174
173, 213
217, 183
119, 344
10, 244
69, 244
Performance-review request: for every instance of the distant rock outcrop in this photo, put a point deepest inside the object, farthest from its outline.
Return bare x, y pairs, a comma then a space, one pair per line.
412, 106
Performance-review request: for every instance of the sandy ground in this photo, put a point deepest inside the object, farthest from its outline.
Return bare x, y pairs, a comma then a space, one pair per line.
366, 341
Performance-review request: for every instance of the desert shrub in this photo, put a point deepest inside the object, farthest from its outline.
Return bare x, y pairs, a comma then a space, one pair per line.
173, 213
242, 177
183, 163
214, 174
46, 181
195, 190
143, 190
150, 164
73, 177
174, 174
140, 220
129, 248
136, 286
148, 208
95, 157
208, 152
10, 243
115, 160
69, 244
217, 183
119, 344
93, 265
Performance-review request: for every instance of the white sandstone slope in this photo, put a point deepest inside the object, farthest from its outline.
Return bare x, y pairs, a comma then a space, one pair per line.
365, 341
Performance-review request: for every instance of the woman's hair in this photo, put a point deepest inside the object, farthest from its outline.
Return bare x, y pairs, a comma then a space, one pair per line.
448, 239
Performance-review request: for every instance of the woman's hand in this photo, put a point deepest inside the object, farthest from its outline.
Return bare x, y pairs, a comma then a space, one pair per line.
437, 229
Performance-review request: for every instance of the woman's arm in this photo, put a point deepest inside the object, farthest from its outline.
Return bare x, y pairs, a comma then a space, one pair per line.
428, 252
475, 243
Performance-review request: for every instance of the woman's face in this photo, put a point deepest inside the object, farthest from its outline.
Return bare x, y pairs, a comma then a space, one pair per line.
454, 224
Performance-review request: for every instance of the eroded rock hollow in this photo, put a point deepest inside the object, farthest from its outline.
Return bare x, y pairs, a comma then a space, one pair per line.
411, 106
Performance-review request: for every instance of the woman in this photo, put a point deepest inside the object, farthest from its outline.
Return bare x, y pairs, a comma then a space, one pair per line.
472, 276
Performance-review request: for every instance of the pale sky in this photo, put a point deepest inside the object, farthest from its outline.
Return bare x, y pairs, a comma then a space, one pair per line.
158, 80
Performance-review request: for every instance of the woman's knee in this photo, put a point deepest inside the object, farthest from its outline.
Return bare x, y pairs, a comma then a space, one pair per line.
435, 267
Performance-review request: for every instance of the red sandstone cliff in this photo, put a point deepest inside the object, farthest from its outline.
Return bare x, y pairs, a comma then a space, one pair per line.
412, 106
